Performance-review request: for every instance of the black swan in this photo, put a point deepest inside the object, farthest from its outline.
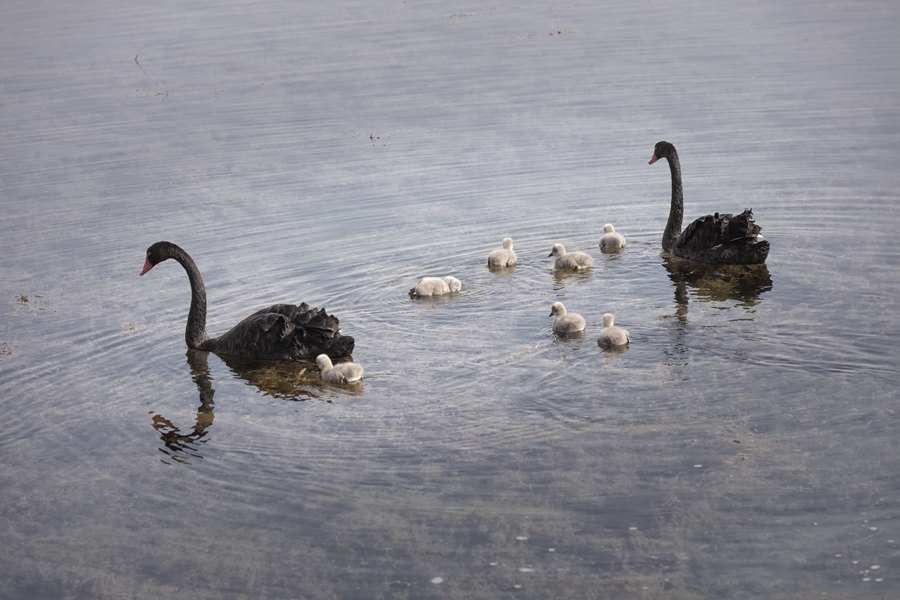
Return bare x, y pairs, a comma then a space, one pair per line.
716, 239
280, 332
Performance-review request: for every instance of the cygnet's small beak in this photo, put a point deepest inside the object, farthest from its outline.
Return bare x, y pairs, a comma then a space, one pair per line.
653, 159
551, 254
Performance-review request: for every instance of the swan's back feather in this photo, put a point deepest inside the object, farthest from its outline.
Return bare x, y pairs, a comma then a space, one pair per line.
723, 239
285, 332
434, 286
503, 257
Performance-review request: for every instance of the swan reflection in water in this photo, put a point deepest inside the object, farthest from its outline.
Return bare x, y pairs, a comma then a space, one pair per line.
286, 380
743, 284
563, 276
716, 283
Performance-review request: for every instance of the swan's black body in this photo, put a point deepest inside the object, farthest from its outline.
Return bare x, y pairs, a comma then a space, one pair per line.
715, 239
279, 332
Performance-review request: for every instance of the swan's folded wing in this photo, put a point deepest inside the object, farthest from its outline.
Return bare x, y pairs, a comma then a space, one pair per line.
266, 335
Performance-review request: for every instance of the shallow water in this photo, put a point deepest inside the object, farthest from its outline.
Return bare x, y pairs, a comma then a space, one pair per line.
742, 446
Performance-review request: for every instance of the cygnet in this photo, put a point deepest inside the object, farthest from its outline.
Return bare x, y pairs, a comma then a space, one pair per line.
432, 286
503, 257
611, 335
572, 260
345, 372
611, 240
565, 322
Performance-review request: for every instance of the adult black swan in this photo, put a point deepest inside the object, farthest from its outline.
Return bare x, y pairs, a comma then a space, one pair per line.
716, 239
280, 332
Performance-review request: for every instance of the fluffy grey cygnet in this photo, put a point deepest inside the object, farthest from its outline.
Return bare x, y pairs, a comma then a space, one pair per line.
611, 240
611, 335
565, 322
572, 260
432, 286
346, 372
503, 257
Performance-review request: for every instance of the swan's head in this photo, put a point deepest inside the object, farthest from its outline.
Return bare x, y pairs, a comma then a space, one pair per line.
323, 362
607, 320
453, 283
557, 309
157, 253
507, 243
662, 150
557, 250
609, 228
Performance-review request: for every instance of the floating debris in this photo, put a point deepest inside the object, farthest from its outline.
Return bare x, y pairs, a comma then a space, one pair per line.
551, 549
875, 567
697, 466
437, 580
526, 570
522, 538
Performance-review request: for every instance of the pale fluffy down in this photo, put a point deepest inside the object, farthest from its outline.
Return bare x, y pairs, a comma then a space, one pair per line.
610, 239
345, 372
503, 257
611, 335
433, 286
565, 322
571, 260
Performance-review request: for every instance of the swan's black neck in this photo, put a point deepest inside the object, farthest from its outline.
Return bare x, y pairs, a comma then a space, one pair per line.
195, 331
673, 227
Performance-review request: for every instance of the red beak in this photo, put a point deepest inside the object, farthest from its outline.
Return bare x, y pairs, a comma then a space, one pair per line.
653, 159
147, 265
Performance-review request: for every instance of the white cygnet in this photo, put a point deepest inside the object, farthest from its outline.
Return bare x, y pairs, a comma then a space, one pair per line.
503, 257
572, 260
611, 240
345, 372
432, 286
611, 335
565, 322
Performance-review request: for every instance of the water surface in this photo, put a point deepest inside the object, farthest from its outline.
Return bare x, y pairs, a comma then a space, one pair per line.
743, 446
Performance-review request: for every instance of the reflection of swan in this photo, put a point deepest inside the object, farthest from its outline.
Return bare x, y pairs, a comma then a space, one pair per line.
280, 332
612, 336
564, 276
346, 372
433, 286
714, 239
503, 257
278, 379
717, 283
565, 322
571, 260
610, 240
178, 446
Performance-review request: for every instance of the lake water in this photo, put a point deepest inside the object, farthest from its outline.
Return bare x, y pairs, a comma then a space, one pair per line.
743, 446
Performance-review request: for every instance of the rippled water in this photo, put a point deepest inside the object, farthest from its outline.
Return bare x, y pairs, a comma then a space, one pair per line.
743, 446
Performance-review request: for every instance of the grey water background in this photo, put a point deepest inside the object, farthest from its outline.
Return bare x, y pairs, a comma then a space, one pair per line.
743, 446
